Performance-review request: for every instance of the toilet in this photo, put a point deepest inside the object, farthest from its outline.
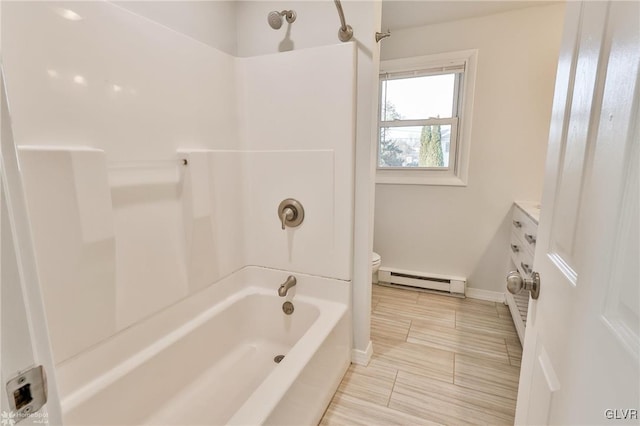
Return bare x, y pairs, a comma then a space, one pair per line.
375, 265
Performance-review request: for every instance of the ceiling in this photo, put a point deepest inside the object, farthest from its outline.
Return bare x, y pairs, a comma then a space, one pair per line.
398, 14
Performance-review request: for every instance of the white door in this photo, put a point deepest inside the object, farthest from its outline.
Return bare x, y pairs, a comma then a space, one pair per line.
24, 342
581, 349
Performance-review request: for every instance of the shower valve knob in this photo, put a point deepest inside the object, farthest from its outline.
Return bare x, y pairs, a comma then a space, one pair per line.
290, 213
286, 216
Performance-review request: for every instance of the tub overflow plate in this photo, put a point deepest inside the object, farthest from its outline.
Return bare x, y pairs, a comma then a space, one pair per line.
287, 308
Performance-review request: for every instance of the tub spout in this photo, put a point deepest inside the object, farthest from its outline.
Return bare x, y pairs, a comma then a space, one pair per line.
285, 286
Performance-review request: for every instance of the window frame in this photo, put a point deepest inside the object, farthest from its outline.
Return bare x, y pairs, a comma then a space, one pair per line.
457, 171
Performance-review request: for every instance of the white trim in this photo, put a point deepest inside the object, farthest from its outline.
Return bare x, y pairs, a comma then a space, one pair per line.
19, 231
450, 121
481, 294
362, 357
417, 177
416, 63
459, 177
453, 69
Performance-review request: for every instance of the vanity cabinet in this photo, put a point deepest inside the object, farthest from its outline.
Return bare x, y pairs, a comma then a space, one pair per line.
522, 248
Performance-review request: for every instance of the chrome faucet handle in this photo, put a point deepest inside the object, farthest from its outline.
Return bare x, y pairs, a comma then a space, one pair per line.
286, 216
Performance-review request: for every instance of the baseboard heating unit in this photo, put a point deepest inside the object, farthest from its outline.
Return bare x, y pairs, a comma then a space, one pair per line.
454, 286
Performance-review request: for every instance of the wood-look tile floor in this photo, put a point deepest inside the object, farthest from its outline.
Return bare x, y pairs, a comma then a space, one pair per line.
437, 360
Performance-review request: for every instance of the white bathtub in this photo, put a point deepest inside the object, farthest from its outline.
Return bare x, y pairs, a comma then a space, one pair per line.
210, 358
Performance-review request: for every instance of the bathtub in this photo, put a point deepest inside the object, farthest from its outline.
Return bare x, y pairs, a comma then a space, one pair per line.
210, 358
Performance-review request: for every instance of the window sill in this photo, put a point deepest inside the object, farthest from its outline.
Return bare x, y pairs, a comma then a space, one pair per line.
421, 179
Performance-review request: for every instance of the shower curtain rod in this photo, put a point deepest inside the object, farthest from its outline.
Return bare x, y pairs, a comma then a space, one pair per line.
345, 32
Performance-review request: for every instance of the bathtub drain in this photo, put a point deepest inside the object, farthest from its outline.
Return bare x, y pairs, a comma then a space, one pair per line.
287, 308
278, 358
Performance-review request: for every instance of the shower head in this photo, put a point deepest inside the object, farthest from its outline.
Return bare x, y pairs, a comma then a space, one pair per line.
275, 18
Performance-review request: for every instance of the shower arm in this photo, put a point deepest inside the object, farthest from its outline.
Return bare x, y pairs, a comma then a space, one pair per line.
345, 32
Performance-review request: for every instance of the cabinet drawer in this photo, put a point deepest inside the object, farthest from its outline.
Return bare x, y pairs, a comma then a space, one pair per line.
521, 255
522, 248
525, 228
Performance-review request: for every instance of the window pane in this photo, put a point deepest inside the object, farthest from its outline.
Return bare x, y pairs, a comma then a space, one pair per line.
418, 97
416, 146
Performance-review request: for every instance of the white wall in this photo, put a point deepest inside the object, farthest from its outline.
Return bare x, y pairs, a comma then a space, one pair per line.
211, 22
464, 231
109, 241
150, 82
317, 24
121, 228
302, 146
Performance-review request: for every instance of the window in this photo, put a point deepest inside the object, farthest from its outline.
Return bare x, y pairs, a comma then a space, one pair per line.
425, 119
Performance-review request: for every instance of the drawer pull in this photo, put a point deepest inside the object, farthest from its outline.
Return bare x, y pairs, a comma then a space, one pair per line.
526, 268
531, 239
517, 224
515, 248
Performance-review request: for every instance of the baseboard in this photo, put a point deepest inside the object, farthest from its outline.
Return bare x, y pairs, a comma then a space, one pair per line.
362, 357
491, 296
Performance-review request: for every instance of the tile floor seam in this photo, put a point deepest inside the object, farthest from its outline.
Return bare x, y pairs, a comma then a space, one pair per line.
454, 369
485, 392
506, 347
395, 379
461, 402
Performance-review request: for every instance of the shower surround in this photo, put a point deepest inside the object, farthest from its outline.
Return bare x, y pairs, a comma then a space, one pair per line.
105, 107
